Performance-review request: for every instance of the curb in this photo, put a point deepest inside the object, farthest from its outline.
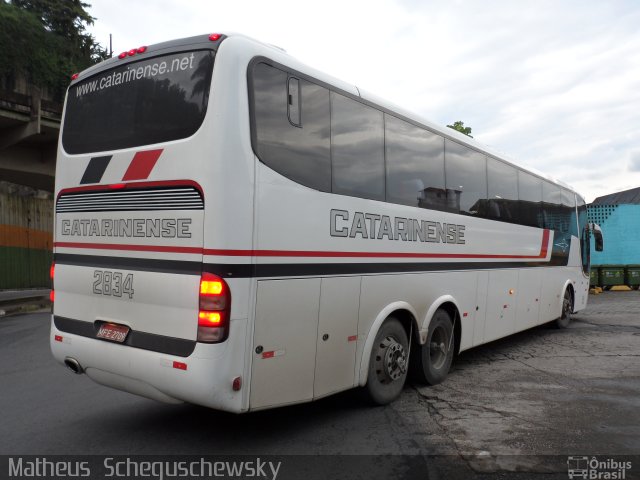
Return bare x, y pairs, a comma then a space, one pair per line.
23, 305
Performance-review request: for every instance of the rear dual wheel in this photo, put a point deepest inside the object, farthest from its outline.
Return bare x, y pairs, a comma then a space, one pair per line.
432, 362
388, 363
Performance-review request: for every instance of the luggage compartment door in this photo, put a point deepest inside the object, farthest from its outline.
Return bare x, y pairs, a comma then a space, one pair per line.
284, 342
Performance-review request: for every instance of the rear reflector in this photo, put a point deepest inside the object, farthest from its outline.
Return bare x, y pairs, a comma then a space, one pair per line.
179, 366
236, 384
214, 37
58, 338
52, 296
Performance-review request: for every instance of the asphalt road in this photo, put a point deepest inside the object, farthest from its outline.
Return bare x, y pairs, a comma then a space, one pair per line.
504, 407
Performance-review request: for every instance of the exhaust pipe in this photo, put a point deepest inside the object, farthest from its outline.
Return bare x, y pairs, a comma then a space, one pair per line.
73, 365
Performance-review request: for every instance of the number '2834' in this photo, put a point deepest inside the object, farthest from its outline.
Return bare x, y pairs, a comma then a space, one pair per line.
106, 282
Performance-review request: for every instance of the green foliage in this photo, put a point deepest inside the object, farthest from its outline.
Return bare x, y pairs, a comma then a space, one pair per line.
45, 40
459, 126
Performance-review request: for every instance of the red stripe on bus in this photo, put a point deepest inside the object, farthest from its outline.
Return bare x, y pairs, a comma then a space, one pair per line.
299, 253
141, 165
161, 183
132, 248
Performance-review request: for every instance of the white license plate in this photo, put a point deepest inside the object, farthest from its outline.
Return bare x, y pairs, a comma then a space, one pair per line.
113, 332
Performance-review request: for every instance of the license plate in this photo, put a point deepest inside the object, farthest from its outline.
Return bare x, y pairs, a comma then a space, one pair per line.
113, 332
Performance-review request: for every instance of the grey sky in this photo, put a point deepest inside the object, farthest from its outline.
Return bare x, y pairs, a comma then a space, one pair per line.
555, 85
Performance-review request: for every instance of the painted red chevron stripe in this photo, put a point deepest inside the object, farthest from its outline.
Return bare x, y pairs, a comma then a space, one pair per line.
141, 165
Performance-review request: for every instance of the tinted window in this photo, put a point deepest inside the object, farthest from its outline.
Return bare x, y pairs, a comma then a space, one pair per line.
466, 175
554, 217
502, 201
140, 103
357, 148
415, 165
569, 209
299, 152
530, 200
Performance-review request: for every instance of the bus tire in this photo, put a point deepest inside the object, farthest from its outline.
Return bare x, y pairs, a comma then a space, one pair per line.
565, 315
388, 363
432, 361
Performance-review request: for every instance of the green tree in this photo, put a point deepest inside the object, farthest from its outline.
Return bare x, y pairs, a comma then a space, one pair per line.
459, 126
46, 41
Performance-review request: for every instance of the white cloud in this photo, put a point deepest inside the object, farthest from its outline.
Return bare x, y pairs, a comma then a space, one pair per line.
553, 84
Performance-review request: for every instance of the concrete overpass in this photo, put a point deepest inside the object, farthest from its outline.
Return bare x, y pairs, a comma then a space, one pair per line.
29, 128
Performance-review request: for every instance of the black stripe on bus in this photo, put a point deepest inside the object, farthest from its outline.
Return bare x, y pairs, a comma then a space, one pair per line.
95, 169
243, 270
178, 347
127, 263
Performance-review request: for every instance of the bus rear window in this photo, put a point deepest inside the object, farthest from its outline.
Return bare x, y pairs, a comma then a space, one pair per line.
140, 103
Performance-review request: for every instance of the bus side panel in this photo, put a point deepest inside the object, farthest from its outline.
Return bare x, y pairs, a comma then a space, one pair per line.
529, 285
501, 304
337, 335
284, 342
480, 318
552, 291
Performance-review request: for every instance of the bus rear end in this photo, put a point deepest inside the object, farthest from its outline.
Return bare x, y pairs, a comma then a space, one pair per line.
137, 164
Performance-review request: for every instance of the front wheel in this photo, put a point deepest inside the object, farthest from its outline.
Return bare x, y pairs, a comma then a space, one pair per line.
567, 306
388, 363
431, 363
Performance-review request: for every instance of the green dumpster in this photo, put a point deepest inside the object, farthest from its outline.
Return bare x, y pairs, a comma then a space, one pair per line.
611, 275
632, 276
594, 277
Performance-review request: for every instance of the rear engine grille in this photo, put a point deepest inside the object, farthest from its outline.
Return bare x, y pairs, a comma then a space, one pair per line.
169, 198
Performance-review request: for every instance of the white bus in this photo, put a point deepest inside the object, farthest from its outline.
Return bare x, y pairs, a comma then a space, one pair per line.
237, 230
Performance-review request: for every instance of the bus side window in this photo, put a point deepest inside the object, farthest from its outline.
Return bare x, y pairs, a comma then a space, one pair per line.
293, 102
415, 165
529, 200
502, 201
357, 149
301, 153
466, 176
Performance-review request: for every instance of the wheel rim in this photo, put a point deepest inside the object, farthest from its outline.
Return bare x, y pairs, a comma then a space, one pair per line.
438, 347
391, 360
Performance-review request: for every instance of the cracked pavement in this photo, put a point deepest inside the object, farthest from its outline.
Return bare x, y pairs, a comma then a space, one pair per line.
547, 392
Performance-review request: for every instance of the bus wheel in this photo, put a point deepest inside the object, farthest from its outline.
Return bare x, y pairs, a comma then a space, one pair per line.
388, 363
565, 316
432, 361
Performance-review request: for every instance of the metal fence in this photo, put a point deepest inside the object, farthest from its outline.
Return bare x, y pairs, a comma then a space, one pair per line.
26, 237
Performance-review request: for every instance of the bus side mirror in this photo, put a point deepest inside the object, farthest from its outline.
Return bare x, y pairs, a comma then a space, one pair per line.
597, 235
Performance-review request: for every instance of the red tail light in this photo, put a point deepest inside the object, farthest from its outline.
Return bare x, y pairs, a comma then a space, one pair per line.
52, 270
214, 37
213, 314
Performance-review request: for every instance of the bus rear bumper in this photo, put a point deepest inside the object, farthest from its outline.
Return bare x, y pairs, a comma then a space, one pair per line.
203, 378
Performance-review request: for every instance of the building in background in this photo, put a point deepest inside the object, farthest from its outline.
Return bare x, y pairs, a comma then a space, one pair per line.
618, 214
